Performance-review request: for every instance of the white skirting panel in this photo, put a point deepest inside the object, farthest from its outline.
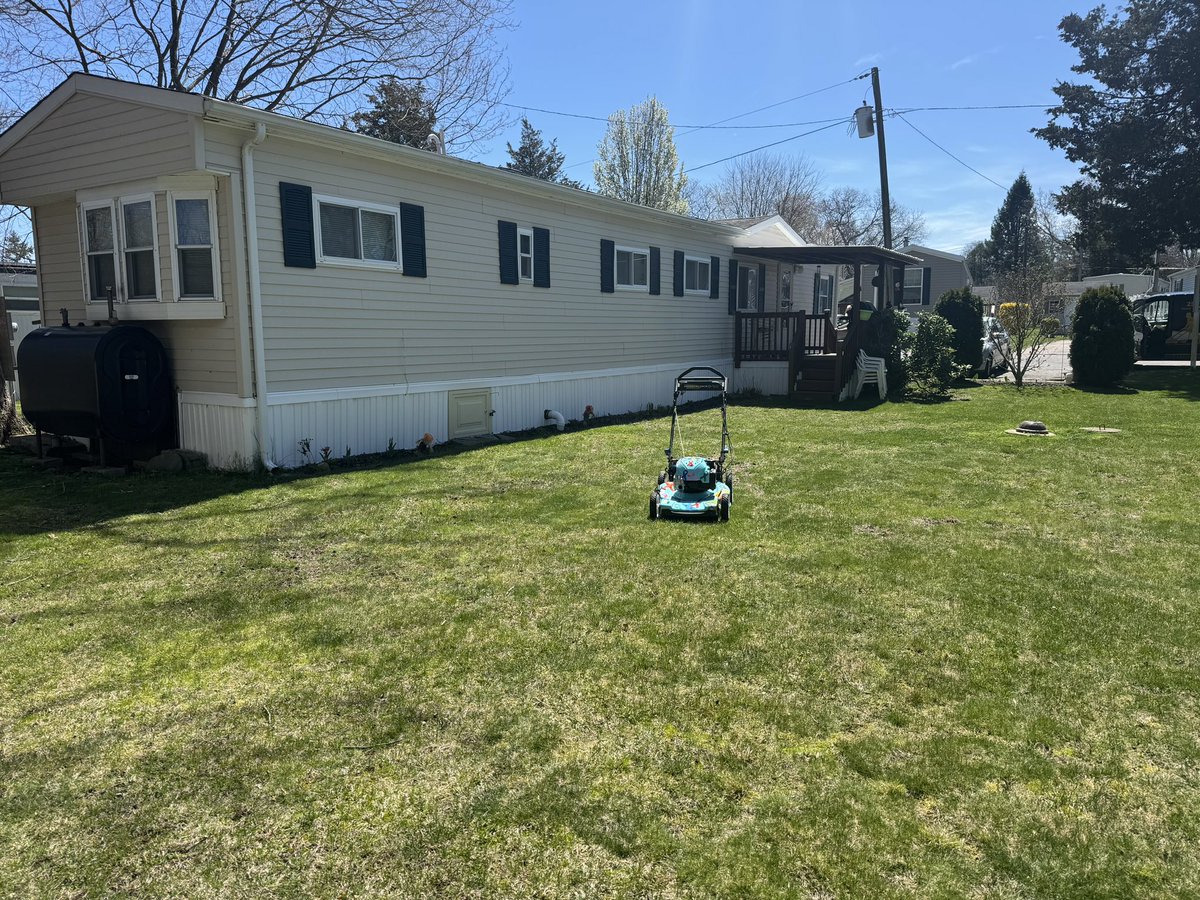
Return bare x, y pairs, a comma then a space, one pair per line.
768, 378
221, 426
364, 419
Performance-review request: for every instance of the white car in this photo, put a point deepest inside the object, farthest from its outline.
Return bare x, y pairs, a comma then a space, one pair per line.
995, 345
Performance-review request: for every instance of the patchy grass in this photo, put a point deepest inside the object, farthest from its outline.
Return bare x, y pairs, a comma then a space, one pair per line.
926, 658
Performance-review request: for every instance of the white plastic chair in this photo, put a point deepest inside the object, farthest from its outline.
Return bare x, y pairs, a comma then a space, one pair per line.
870, 370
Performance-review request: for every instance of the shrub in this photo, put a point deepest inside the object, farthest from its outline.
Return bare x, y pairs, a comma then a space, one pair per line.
886, 335
964, 311
931, 366
1102, 348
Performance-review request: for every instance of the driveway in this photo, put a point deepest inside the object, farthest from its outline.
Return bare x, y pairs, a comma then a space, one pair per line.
1053, 365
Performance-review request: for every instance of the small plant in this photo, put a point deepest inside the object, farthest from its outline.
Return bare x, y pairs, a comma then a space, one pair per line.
1102, 348
931, 363
346, 455
326, 453
588, 413
391, 447
305, 447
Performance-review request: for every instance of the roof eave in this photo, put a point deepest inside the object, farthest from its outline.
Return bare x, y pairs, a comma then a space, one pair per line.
220, 112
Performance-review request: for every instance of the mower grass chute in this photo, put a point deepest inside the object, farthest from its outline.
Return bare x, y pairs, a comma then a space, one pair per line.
695, 487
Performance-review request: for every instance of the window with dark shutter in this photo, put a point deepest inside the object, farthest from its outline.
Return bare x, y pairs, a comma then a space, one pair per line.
655, 271
762, 287
507, 235
295, 203
714, 278
733, 286
677, 281
925, 279
412, 239
608, 260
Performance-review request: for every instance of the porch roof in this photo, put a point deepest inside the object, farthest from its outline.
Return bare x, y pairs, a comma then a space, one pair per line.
845, 255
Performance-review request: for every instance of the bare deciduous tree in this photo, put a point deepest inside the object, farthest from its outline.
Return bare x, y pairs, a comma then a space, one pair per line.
765, 184
1025, 294
312, 60
853, 216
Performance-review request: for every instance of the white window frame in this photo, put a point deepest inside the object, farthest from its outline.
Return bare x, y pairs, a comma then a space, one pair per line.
747, 303
121, 203
521, 257
640, 251
700, 261
176, 275
824, 298
118, 287
359, 205
920, 286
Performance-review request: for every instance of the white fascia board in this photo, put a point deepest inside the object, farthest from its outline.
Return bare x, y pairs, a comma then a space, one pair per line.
285, 127
753, 236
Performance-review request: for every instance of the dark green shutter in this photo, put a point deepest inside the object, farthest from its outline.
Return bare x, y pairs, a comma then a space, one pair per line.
412, 239
816, 308
714, 275
295, 204
506, 234
762, 287
655, 270
733, 275
541, 257
677, 280
608, 261
925, 273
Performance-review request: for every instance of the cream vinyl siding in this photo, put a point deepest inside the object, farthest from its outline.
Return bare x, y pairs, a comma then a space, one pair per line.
203, 353
334, 326
93, 141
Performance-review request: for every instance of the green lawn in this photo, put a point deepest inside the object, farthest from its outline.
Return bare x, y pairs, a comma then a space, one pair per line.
925, 659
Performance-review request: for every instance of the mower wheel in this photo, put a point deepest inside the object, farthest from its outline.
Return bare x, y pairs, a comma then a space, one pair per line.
723, 509
654, 507
662, 479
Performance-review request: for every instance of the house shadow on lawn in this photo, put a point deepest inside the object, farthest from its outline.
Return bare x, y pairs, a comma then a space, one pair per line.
1178, 382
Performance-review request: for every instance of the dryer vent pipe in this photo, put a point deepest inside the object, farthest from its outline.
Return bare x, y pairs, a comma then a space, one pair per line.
559, 420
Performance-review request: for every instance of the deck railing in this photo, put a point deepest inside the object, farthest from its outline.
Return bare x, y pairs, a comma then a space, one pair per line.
773, 336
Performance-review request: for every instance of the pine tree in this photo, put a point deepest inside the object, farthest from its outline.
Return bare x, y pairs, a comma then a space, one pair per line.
637, 161
15, 249
1016, 242
399, 113
535, 159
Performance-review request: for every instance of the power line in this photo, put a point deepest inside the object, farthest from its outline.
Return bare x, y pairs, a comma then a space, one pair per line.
794, 137
554, 112
948, 153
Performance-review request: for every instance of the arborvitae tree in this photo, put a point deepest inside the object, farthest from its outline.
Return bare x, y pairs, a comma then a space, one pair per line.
636, 160
535, 159
399, 113
1102, 349
964, 311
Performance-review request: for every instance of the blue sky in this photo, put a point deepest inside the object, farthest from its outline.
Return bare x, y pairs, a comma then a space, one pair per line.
708, 61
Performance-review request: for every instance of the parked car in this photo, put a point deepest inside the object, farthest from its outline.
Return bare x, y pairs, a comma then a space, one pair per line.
1163, 325
995, 345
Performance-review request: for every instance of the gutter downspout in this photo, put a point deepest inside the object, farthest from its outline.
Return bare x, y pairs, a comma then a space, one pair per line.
255, 276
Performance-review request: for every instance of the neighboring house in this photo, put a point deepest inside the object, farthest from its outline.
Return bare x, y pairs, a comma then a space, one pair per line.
939, 272
310, 283
1062, 299
19, 301
1184, 280
1133, 284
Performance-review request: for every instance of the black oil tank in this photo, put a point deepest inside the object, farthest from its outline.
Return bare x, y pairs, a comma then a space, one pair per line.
111, 382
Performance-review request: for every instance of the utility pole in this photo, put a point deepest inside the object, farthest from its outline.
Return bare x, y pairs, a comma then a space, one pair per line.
884, 196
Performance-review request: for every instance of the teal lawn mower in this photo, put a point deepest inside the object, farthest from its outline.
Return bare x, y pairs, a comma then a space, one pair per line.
695, 487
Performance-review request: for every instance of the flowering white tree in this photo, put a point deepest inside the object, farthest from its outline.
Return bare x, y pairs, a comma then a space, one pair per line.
637, 161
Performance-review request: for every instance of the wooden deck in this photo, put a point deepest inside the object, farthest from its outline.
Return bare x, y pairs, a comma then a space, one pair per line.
808, 343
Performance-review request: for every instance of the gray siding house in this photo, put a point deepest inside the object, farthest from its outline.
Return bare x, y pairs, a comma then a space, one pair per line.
939, 271
310, 283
